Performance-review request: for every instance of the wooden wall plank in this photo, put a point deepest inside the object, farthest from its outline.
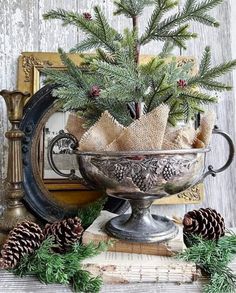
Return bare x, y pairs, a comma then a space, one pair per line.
233, 40
18, 28
3, 120
220, 191
51, 34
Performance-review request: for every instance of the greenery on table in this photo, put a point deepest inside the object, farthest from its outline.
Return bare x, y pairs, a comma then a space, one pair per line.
50, 267
113, 77
89, 213
213, 257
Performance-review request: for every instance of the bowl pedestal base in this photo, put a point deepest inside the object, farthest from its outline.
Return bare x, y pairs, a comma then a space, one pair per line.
141, 225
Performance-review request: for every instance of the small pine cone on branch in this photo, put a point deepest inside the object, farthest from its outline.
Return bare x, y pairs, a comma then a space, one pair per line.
204, 222
25, 238
66, 233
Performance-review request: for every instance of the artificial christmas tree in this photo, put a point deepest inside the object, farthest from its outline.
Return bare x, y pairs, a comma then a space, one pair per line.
114, 77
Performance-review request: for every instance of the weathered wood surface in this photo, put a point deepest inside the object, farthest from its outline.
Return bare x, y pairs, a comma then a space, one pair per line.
23, 29
29, 284
10, 283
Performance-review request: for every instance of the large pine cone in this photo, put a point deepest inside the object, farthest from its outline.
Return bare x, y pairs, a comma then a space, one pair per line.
204, 222
66, 233
25, 238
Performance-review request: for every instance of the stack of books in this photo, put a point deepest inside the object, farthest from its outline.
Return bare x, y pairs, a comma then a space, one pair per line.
129, 262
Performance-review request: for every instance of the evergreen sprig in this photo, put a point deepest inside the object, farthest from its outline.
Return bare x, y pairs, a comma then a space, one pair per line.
100, 33
131, 8
51, 267
206, 77
213, 257
191, 11
91, 212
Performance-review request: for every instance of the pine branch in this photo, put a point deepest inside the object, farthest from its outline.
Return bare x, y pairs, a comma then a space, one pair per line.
190, 11
72, 98
197, 97
220, 70
91, 28
205, 78
213, 257
114, 72
214, 85
161, 8
51, 267
204, 6
166, 49
90, 213
155, 93
131, 8
106, 57
58, 77
82, 281
205, 61
130, 44
87, 44
177, 36
152, 67
74, 70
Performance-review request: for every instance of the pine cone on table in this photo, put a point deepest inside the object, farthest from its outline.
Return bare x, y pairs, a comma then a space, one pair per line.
204, 222
66, 233
25, 238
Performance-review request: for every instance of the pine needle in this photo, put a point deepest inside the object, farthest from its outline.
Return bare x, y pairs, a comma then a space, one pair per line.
51, 267
91, 212
213, 257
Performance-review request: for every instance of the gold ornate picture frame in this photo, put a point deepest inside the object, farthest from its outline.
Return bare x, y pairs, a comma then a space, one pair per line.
30, 66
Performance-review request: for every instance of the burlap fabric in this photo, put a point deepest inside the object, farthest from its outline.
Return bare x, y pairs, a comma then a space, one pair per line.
179, 138
74, 125
206, 126
145, 133
149, 132
101, 134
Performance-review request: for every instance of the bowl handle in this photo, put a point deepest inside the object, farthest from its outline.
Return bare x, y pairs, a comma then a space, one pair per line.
74, 144
211, 170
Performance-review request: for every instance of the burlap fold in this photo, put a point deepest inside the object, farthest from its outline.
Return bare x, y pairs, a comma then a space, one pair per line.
102, 133
149, 132
145, 133
74, 125
206, 126
179, 138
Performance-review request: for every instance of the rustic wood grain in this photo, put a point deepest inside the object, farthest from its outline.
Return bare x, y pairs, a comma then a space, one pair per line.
220, 191
18, 27
11, 283
51, 33
23, 29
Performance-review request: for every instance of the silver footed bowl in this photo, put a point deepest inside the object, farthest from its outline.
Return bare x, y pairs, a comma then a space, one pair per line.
142, 177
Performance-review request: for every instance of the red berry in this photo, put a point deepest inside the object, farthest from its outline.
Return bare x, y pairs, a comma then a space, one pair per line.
87, 15
95, 91
182, 83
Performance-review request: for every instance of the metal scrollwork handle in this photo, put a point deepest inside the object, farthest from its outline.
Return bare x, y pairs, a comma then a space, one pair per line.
74, 143
211, 170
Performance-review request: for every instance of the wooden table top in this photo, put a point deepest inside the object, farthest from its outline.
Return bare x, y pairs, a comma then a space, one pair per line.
12, 284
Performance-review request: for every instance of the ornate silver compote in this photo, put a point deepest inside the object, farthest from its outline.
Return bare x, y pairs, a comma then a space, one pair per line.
142, 177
